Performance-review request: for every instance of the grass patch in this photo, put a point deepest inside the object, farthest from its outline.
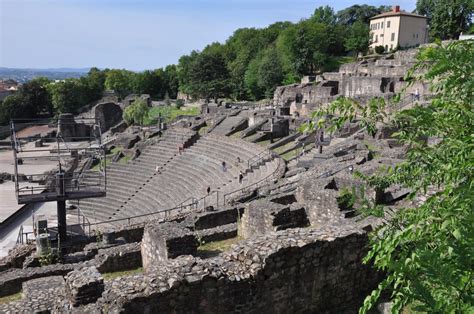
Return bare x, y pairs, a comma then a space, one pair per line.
282, 148
169, 113
334, 63
124, 159
264, 143
214, 248
10, 298
109, 157
117, 274
291, 154
236, 134
203, 130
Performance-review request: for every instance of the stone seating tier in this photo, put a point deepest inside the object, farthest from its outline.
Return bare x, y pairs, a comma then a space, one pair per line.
136, 188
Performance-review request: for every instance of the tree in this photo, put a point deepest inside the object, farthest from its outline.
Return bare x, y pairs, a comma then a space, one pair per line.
13, 107
36, 97
95, 82
208, 74
171, 81
358, 39
447, 19
119, 81
426, 252
136, 113
149, 82
359, 13
66, 96
298, 44
183, 72
324, 15
270, 72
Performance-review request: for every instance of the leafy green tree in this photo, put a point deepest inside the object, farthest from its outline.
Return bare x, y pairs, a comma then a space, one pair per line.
324, 15
208, 74
136, 113
13, 107
359, 13
447, 19
66, 96
95, 82
171, 81
270, 72
358, 38
426, 252
298, 44
244, 46
251, 79
36, 97
121, 81
149, 82
183, 71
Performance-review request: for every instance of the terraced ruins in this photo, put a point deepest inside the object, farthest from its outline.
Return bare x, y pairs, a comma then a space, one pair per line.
233, 210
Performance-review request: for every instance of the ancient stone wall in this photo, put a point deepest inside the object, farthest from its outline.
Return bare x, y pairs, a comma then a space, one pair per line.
119, 258
263, 216
108, 115
291, 271
164, 241
362, 80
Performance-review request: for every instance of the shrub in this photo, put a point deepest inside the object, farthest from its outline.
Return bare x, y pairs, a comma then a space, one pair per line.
379, 49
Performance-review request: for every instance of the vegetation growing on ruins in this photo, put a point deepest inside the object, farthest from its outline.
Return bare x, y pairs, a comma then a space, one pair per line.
426, 251
216, 247
136, 113
10, 298
117, 274
169, 113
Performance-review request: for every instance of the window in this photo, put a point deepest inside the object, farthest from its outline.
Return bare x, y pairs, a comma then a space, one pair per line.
378, 25
413, 35
393, 37
391, 47
416, 35
388, 24
381, 25
376, 38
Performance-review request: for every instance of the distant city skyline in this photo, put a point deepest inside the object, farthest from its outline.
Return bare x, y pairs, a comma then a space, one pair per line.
135, 35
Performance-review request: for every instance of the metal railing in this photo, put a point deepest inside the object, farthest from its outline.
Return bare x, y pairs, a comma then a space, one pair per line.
253, 186
23, 237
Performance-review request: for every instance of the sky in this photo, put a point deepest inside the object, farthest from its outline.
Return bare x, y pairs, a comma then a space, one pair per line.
135, 34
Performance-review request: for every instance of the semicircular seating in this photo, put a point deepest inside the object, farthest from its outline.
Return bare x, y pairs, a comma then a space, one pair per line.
161, 178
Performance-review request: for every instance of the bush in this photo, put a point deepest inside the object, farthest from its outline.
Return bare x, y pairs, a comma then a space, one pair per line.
379, 49
346, 199
136, 113
179, 103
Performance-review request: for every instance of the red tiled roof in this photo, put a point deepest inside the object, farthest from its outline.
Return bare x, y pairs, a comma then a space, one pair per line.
392, 13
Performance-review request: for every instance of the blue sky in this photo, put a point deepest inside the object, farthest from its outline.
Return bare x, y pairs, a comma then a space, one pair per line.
134, 34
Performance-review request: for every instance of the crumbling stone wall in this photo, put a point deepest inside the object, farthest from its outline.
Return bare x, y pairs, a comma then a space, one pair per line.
108, 115
290, 271
119, 258
164, 241
263, 216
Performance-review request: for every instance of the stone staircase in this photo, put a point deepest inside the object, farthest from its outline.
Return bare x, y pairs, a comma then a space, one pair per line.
230, 125
161, 179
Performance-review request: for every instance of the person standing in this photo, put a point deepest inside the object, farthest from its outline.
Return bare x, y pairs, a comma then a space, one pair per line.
241, 177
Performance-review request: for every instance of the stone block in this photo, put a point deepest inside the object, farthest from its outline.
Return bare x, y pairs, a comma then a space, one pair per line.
84, 286
166, 241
